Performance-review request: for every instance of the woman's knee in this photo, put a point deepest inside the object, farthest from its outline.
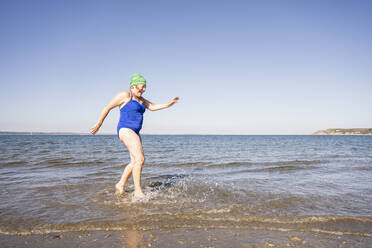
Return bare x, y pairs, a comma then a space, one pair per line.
140, 160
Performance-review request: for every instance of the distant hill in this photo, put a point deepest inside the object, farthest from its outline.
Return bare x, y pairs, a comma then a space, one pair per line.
345, 131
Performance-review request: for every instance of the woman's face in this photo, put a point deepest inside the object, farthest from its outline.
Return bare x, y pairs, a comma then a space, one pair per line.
138, 89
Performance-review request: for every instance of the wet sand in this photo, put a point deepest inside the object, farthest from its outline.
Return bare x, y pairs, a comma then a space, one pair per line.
185, 237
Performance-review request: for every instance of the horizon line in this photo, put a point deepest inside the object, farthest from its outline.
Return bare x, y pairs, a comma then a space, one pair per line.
87, 133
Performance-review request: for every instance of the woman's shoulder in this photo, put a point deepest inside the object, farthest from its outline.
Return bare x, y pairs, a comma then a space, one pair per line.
124, 94
123, 97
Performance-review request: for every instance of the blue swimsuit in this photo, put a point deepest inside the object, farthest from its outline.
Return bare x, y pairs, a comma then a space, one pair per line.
131, 116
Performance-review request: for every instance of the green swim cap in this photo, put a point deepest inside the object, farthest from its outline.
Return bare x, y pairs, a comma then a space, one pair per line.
137, 79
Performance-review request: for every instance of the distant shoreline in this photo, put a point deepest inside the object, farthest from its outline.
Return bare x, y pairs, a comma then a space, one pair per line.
345, 131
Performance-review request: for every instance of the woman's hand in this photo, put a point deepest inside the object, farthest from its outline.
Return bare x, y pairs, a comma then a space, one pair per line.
95, 128
173, 101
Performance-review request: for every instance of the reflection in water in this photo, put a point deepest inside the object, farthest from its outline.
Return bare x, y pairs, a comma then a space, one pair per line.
132, 239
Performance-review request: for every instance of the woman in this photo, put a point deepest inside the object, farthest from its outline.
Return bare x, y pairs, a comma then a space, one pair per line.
132, 106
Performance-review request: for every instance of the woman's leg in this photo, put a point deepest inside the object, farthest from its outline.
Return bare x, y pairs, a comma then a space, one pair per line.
133, 142
120, 186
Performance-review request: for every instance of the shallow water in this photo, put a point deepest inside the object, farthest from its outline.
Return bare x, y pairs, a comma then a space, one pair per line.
316, 184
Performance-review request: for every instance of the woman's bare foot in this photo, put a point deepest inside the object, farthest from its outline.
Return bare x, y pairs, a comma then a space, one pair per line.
139, 194
119, 188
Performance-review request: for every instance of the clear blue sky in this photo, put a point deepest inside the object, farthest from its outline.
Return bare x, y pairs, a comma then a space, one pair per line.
239, 67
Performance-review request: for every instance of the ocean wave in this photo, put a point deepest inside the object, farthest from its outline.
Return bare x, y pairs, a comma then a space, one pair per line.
60, 188
58, 160
280, 162
94, 175
64, 163
274, 169
189, 164
363, 168
242, 164
14, 163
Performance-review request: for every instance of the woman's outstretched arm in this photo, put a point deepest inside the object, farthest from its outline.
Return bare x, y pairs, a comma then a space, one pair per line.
115, 102
153, 107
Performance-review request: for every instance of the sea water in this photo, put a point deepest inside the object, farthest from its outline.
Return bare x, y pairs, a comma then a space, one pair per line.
317, 184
